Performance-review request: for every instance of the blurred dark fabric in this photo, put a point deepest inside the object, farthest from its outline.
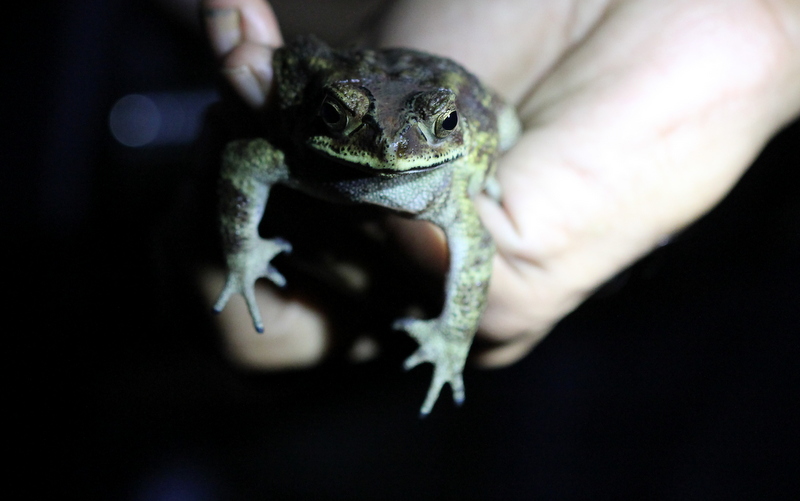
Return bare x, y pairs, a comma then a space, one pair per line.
678, 380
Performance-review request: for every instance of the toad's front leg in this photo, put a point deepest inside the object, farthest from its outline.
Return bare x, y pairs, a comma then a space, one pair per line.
445, 341
249, 170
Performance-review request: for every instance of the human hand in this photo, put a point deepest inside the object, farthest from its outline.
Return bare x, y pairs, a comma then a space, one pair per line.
640, 115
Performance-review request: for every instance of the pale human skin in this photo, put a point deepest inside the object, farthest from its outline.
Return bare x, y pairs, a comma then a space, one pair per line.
639, 116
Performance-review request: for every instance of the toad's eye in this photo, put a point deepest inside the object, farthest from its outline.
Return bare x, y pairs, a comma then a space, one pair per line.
333, 115
445, 124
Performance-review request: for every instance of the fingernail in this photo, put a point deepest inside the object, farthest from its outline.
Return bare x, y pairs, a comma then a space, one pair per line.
251, 83
224, 29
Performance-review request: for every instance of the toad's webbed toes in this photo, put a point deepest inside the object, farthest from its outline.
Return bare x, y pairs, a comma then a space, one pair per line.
248, 266
446, 352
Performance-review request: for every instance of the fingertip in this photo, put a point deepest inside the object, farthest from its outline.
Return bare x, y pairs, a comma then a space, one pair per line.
233, 22
248, 68
424, 241
259, 23
224, 29
506, 354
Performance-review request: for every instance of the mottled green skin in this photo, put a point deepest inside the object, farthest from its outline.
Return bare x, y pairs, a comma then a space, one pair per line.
376, 127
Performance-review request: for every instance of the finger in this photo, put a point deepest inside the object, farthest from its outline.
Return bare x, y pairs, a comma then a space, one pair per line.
295, 334
243, 33
248, 68
423, 241
524, 294
507, 353
231, 23
496, 44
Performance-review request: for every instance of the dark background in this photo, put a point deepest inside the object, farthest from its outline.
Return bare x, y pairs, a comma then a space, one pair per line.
678, 380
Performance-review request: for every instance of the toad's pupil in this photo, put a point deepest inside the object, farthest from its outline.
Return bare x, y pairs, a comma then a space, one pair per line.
450, 122
330, 114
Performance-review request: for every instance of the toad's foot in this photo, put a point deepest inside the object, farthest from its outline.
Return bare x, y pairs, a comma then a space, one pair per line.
447, 353
245, 267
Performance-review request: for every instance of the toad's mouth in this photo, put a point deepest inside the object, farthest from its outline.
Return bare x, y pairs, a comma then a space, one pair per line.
384, 169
